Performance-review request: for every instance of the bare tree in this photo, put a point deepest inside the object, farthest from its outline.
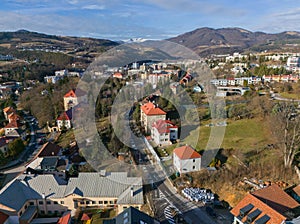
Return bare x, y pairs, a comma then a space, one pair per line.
285, 123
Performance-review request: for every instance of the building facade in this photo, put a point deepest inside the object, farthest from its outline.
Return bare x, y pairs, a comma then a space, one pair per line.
186, 159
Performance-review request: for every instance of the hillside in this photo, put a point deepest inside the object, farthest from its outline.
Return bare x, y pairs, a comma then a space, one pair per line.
206, 41
74, 46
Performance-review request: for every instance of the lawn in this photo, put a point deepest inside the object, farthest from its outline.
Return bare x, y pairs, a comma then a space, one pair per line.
245, 135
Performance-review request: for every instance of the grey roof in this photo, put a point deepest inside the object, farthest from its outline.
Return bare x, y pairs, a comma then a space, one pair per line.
113, 185
26, 187
131, 216
49, 161
18, 190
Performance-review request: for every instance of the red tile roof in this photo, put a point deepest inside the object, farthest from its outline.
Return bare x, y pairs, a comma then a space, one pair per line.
66, 115
64, 219
8, 109
163, 126
75, 93
276, 198
186, 152
13, 124
3, 217
275, 217
13, 116
150, 109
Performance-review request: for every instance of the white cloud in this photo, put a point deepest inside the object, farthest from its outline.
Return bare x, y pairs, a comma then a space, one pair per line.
94, 7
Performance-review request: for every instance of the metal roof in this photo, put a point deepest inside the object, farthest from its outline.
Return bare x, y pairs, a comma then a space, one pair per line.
115, 185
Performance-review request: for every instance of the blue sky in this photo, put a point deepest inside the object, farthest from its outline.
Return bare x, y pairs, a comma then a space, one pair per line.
156, 19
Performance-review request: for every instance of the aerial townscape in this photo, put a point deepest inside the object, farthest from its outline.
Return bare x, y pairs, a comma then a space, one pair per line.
101, 126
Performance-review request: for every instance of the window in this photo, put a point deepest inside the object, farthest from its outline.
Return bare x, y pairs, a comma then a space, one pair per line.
26, 206
105, 202
100, 202
41, 202
82, 202
87, 202
31, 203
55, 202
111, 202
48, 202
42, 212
193, 160
21, 213
194, 167
93, 202
50, 212
62, 202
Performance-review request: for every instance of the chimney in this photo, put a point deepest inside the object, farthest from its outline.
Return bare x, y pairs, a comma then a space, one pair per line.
45, 203
131, 192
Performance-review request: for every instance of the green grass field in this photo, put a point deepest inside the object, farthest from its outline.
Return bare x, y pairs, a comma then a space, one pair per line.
245, 135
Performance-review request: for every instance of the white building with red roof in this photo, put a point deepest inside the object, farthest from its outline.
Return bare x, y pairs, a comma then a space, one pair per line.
72, 98
151, 113
65, 120
186, 159
163, 132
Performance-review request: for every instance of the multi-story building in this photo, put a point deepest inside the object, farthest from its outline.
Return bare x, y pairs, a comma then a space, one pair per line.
29, 195
150, 113
293, 62
163, 132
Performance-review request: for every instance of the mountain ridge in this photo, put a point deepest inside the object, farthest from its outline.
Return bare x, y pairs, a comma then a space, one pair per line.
205, 40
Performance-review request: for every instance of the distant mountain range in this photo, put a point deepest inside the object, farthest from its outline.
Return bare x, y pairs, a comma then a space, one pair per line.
206, 41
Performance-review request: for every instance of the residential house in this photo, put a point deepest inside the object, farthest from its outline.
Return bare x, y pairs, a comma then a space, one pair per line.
14, 129
73, 98
163, 132
186, 159
265, 206
7, 111
131, 215
65, 120
46, 194
150, 113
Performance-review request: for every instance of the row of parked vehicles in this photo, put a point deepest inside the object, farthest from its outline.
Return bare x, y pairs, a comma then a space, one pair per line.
199, 195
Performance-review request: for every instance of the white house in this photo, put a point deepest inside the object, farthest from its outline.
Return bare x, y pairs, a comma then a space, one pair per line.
73, 97
64, 120
186, 159
163, 132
